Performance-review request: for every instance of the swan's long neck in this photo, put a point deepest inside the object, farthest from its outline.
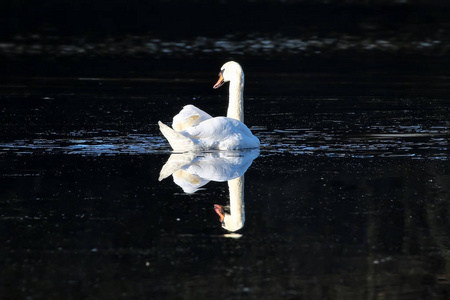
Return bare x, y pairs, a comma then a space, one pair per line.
236, 100
237, 210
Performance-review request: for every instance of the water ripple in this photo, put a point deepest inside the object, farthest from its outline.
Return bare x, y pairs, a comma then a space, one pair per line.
423, 144
132, 144
253, 45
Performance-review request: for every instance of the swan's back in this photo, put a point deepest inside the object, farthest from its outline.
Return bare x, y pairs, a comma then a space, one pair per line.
222, 133
189, 116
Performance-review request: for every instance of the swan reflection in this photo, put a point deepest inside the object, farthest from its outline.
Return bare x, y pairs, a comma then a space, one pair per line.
191, 171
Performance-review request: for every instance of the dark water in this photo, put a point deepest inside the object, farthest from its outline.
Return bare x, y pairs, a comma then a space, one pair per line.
348, 197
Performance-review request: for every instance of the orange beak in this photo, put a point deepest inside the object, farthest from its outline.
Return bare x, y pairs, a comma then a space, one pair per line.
219, 82
219, 210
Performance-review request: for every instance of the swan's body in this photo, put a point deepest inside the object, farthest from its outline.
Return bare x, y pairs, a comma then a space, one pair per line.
195, 130
189, 116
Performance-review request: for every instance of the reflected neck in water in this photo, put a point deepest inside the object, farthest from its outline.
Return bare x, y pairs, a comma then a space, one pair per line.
236, 218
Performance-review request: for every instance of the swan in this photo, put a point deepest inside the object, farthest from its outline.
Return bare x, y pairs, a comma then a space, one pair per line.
195, 130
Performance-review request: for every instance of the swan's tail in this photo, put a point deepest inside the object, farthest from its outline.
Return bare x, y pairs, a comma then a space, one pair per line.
177, 141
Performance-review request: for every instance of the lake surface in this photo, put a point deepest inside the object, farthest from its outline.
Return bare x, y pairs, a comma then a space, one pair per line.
348, 197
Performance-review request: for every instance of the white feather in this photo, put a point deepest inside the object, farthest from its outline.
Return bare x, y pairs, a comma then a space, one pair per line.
195, 130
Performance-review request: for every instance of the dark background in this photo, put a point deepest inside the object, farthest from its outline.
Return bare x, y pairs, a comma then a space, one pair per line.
143, 38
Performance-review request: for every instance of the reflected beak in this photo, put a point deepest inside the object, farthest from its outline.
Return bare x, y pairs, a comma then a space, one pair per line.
219, 82
219, 210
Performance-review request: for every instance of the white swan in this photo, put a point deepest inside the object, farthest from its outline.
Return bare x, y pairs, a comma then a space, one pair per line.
195, 130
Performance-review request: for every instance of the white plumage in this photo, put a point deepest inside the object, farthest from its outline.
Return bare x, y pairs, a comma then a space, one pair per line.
195, 130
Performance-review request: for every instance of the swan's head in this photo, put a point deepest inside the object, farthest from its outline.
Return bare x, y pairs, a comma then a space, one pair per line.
229, 71
229, 222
